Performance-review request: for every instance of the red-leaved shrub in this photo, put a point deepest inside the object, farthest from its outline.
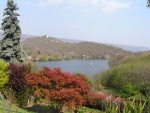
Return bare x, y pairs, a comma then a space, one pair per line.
60, 87
18, 83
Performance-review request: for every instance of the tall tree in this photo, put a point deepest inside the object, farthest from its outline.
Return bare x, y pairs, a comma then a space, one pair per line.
10, 49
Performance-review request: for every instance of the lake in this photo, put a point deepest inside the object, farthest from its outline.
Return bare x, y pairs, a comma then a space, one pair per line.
88, 67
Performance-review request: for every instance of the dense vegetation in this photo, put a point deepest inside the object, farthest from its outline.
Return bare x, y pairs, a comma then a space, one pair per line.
44, 48
130, 76
60, 91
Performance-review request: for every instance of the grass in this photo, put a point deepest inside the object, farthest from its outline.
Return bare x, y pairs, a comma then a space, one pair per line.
87, 110
39, 109
13, 109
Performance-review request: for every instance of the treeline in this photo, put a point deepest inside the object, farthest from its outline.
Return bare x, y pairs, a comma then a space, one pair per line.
130, 76
48, 48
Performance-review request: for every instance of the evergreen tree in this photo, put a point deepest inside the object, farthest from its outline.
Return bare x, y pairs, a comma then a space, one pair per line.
148, 3
10, 49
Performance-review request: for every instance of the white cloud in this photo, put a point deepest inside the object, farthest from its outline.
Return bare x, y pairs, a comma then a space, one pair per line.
90, 5
114, 5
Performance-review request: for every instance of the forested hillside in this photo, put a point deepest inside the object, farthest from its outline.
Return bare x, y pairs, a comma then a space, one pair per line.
48, 48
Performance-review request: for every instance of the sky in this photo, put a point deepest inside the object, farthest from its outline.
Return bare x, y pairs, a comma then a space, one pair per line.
106, 21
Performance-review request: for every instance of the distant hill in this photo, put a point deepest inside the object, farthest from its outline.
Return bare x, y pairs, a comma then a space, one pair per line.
24, 37
48, 48
125, 47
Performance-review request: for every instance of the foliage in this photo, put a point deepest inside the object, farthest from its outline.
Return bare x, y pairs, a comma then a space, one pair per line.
8, 93
10, 49
33, 65
110, 108
128, 106
82, 110
148, 103
134, 106
16, 78
87, 110
128, 75
95, 101
104, 102
114, 59
18, 83
115, 77
59, 87
4, 73
129, 90
97, 85
145, 88
85, 77
109, 104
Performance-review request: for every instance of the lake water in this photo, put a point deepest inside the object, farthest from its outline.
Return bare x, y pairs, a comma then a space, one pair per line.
88, 67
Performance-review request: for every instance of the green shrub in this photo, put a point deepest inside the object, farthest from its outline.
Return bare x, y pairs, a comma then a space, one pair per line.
116, 76
97, 85
140, 74
134, 70
129, 90
145, 88
4, 73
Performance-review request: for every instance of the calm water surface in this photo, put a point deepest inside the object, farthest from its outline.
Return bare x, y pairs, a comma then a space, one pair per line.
88, 67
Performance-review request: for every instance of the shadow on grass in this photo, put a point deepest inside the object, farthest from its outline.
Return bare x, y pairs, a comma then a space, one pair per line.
41, 109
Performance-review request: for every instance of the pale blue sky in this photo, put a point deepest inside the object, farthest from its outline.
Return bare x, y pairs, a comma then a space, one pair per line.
107, 21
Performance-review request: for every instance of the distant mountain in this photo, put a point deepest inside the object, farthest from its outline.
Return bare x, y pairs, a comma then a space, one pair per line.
132, 48
125, 47
24, 37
